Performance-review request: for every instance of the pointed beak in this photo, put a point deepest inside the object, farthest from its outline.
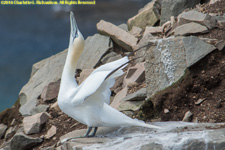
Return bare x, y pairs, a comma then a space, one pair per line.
74, 29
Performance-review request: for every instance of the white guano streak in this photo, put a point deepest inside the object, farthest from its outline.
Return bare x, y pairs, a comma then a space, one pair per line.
166, 59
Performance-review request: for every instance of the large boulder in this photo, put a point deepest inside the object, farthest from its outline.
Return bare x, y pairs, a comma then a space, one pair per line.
148, 16
174, 8
95, 47
118, 35
43, 72
168, 59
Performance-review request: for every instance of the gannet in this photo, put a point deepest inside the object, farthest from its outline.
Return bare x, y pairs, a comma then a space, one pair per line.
88, 102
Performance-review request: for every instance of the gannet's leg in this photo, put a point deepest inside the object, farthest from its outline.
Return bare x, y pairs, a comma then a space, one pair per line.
88, 132
94, 132
85, 136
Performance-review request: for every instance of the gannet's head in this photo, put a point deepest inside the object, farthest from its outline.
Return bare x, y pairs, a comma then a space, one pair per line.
76, 38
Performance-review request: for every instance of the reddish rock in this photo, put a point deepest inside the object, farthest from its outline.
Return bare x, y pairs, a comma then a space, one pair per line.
153, 29
135, 74
50, 91
118, 35
32, 124
136, 31
84, 74
51, 132
119, 97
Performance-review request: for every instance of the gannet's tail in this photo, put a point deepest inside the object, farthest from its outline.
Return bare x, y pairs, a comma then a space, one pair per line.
113, 118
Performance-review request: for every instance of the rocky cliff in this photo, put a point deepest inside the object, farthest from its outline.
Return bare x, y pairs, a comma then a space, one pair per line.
180, 77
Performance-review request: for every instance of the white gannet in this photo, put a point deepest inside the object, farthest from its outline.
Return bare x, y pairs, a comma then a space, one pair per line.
88, 103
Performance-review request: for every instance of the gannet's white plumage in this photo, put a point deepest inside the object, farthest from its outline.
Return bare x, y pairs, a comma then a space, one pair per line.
88, 103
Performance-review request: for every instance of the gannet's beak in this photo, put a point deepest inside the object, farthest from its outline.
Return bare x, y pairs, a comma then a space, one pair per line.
74, 29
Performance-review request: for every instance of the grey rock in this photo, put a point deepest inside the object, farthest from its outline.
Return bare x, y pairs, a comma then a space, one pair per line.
39, 79
147, 16
119, 36
95, 47
138, 95
220, 45
167, 60
130, 105
174, 8
152, 146
165, 63
2, 130
190, 28
32, 124
123, 26
21, 141
112, 56
39, 109
192, 136
196, 50
198, 17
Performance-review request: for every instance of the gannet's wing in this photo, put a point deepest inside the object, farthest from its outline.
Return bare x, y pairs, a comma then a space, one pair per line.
100, 78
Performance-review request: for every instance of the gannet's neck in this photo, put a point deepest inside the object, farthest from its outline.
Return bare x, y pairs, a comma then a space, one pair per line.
74, 51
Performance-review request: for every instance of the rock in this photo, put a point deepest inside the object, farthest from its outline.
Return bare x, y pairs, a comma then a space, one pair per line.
32, 124
124, 27
166, 111
136, 96
118, 86
48, 148
136, 31
220, 45
220, 20
198, 17
10, 132
119, 36
2, 130
39, 109
135, 74
118, 98
213, 1
130, 105
148, 16
165, 63
152, 146
190, 28
187, 117
196, 50
55, 107
95, 47
153, 30
174, 8
192, 136
167, 60
50, 91
51, 132
199, 101
112, 56
84, 74
21, 141
41, 77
